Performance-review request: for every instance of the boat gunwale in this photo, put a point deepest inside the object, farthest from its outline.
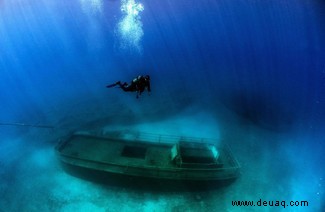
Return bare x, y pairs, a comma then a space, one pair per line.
152, 167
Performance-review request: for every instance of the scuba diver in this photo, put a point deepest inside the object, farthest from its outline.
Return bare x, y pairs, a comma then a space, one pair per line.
138, 84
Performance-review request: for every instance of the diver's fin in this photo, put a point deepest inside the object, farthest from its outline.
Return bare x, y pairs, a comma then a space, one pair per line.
111, 85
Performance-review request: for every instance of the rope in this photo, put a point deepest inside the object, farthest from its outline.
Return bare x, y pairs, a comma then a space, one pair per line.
27, 125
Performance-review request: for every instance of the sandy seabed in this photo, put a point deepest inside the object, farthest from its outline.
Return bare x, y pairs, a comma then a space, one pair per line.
273, 168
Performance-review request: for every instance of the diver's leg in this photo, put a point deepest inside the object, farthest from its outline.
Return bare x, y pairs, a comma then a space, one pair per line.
123, 86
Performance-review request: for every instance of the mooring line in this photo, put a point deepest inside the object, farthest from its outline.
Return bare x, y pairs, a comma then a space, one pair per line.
27, 125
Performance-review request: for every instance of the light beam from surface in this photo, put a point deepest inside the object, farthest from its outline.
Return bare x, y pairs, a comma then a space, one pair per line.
91, 5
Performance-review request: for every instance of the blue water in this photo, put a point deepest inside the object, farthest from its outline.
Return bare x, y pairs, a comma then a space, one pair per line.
251, 73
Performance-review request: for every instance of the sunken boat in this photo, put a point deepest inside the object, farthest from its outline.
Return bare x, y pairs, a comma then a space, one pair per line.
149, 156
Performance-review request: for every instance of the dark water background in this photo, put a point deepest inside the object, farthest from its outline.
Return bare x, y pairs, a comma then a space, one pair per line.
252, 71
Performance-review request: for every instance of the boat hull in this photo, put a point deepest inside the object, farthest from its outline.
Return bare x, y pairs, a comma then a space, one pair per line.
135, 158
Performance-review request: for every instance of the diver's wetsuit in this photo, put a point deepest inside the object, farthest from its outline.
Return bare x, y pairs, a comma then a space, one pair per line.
139, 84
